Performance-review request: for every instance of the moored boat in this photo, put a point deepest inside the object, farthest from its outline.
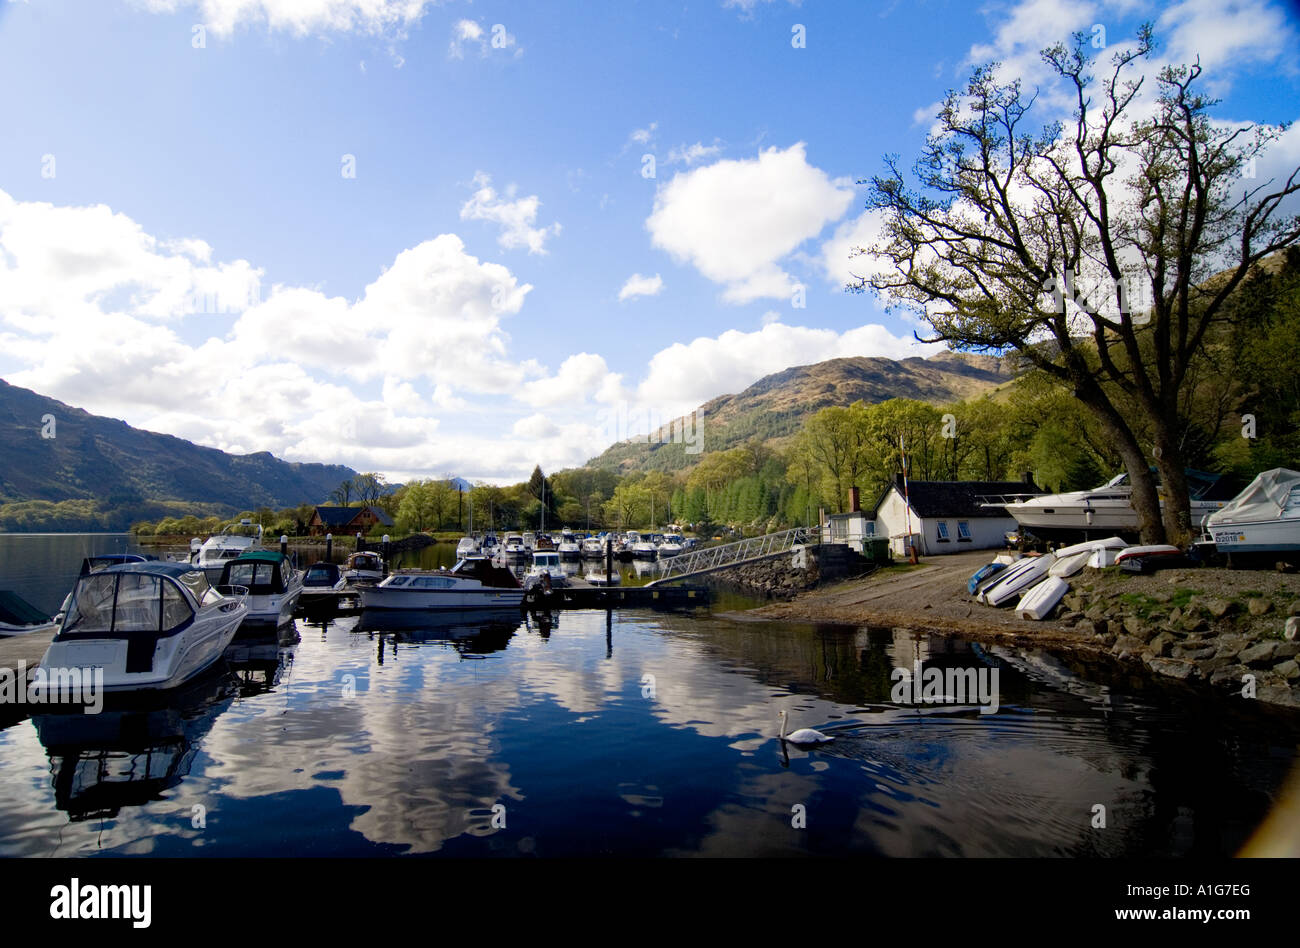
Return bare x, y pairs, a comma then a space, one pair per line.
213, 554
20, 617
273, 585
150, 625
321, 582
364, 567
473, 583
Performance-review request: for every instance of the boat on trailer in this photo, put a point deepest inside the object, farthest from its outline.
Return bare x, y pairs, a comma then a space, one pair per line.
1264, 518
147, 626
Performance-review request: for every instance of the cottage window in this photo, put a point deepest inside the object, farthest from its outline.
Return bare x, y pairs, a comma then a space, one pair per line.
963, 531
943, 531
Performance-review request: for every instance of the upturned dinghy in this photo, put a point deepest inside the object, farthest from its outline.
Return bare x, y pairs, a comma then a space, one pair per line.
982, 578
1040, 600
1016, 579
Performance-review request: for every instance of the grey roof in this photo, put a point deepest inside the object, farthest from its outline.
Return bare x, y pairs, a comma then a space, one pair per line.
956, 498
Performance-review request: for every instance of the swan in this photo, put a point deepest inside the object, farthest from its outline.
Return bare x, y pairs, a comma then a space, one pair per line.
805, 735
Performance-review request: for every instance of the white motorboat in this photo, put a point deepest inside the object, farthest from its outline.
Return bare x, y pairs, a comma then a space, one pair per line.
515, 545
1107, 508
546, 563
147, 625
672, 544
568, 547
594, 547
213, 554
473, 583
20, 617
597, 577
530, 542
645, 547
364, 567
1016, 578
467, 546
1264, 518
273, 585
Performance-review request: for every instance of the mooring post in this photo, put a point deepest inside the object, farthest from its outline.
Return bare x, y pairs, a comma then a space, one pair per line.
284, 545
609, 561
385, 553
329, 548
361, 543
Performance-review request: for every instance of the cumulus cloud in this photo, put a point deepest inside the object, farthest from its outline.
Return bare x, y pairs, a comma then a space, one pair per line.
638, 285
642, 136
684, 375
516, 217
736, 220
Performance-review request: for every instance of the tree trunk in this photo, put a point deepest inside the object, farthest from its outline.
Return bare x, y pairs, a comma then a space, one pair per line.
1173, 481
1145, 499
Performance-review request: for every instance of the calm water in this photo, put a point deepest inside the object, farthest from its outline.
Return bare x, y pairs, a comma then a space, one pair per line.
638, 733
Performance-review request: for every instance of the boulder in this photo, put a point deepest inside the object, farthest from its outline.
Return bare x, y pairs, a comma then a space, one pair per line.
1175, 615
1228, 675
1128, 643
1290, 669
1218, 608
1258, 655
1286, 650
1172, 668
1292, 628
1258, 606
1194, 654
1137, 628
1161, 644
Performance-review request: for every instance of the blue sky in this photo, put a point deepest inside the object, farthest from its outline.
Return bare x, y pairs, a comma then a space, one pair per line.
499, 283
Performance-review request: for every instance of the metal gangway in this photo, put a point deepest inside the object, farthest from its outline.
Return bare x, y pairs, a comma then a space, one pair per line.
713, 558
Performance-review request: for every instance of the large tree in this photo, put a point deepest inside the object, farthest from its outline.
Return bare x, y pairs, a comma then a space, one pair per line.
1103, 248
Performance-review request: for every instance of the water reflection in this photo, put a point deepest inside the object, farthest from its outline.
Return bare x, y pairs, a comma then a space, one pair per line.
130, 754
641, 733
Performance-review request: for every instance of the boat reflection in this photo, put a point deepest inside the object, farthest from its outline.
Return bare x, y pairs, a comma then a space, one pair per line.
132, 752
475, 632
258, 663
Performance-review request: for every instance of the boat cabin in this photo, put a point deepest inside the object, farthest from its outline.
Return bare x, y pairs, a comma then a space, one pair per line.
261, 572
146, 600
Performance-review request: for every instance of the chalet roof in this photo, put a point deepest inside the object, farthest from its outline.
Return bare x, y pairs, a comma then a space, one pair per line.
956, 498
342, 516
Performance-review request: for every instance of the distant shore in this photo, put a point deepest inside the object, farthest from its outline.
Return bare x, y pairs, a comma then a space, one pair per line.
1221, 629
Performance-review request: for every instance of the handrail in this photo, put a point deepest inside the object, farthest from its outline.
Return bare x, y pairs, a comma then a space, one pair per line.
726, 555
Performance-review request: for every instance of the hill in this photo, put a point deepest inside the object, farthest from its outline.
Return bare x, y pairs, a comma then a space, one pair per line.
125, 473
774, 407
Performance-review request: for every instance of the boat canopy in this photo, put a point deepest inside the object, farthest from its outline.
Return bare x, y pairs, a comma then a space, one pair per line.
1267, 497
136, 599
262, 572
15, 610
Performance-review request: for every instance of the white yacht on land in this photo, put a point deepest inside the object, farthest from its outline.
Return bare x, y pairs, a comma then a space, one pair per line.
273, 585
1103, 510
238, 538
473, 583
1264, 518
147, 625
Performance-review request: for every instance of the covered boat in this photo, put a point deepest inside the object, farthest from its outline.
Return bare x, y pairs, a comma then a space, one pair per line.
1264, 518
20, 617
148, 625
236, 539
364, 567
321, 582
273, 585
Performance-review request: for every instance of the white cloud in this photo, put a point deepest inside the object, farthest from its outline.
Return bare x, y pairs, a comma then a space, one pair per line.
642, 136
837, 253
516, 216
736, 220
1226, 33
683, 376
300, 17
692, 154
638, 285
467, 32
580, 377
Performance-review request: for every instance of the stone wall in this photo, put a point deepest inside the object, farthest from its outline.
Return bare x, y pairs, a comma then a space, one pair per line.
779, 578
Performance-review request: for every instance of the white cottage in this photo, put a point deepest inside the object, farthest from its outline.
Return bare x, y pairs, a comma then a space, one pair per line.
946, 516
